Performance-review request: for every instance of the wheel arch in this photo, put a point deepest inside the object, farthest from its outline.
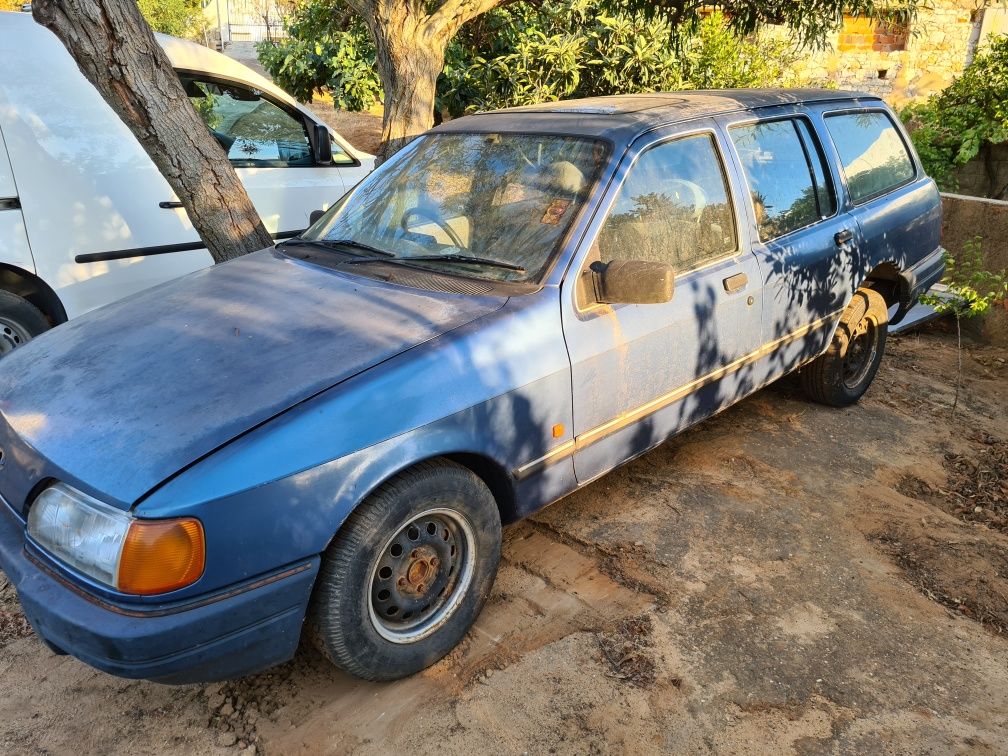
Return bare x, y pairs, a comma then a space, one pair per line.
496, 478
32, 288
886, 278
492, 473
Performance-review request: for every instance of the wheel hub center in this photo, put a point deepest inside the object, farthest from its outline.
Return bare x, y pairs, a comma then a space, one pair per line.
421, 569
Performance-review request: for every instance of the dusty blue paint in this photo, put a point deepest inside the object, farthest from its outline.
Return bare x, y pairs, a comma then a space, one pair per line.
269, 396
137, 390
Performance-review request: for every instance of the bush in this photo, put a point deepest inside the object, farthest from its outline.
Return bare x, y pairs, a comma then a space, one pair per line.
523, 54
327, 48
180, 18
715, 57
952, 127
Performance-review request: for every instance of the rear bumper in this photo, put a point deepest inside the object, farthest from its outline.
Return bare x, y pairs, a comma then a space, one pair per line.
241, 631
917, 279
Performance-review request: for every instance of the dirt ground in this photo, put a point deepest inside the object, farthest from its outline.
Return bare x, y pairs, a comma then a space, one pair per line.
362, 130
782, 578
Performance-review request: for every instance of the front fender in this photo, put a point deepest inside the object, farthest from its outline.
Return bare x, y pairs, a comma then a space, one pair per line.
279, 494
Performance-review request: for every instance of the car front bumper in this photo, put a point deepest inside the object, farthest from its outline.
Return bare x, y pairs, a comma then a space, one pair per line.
240, 631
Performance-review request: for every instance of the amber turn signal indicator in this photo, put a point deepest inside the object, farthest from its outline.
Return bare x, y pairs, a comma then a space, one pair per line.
159, 556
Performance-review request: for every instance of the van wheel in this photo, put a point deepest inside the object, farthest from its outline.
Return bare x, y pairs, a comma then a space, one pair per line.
20, 321
840, 375
408, 573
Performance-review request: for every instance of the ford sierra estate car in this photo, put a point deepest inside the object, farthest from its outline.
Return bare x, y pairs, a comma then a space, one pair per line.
324, 438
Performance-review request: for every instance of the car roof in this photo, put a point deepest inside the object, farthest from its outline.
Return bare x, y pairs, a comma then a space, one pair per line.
624, 117
191, 56
20, 35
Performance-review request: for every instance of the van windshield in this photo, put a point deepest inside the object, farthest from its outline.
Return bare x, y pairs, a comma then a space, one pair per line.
493, 206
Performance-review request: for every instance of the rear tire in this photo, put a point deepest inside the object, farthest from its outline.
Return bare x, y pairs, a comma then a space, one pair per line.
842, 374
408, 573
20, 321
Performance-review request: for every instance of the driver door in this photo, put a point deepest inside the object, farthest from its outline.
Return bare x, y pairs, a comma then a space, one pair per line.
641, 372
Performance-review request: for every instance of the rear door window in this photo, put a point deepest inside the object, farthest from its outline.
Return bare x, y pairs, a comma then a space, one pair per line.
874, 157
787, 178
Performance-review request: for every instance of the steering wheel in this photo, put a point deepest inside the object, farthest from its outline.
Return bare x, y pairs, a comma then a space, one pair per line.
688, 194
426, 215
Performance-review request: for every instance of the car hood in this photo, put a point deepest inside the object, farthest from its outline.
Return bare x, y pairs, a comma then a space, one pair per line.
126, 396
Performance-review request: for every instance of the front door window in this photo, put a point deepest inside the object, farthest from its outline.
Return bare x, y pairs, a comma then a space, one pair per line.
672, 208
254, 131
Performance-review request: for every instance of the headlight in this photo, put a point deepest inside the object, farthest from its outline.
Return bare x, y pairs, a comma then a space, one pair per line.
129, 554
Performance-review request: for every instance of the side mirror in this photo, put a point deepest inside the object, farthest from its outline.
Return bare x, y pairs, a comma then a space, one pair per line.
634, 282
314, 215
323, 145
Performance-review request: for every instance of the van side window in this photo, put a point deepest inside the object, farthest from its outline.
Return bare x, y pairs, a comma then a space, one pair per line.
673, 208
252, 130
786, 175
874, 157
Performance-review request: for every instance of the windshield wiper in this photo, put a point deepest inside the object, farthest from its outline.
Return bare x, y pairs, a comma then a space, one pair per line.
449, 258
337, 243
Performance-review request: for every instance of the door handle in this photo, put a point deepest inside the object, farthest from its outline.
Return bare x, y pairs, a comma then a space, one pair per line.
169, 204
843, 237
735, 284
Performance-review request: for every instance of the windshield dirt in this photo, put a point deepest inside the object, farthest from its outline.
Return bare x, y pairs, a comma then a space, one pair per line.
493, 206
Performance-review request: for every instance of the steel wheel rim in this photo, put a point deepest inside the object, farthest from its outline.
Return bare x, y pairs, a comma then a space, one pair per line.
860, 353
12, 335
423, 595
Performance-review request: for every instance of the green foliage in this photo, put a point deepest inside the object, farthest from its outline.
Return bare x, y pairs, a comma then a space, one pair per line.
810, 21
950, 128
523, 54
180, 18
718, 57
327, 48
972, 289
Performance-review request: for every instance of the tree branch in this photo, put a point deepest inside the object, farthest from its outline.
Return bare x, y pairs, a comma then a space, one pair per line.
452, 14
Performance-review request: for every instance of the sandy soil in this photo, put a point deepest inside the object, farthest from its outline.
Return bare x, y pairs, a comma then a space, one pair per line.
783, 578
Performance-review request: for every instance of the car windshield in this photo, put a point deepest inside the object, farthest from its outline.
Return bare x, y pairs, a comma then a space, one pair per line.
493, 206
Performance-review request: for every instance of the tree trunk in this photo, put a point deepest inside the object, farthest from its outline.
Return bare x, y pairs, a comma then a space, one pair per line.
409, 58
117, 53
410, 38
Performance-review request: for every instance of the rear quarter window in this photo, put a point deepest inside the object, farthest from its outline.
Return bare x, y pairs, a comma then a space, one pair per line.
872, 153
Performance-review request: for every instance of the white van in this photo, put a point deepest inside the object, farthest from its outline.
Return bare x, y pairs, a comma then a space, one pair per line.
85, 216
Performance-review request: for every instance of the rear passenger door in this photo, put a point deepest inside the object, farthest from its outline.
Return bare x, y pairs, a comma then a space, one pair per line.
805, 245
897, 208
641, 372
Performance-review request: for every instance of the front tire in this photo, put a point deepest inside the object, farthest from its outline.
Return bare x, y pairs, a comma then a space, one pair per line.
842, 374
20, 321
408, 573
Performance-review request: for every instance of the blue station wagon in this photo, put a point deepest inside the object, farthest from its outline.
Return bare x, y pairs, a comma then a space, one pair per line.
327, 436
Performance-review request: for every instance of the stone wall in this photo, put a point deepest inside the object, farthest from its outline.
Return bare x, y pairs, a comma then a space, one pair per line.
966, 217
986, 175
898, 63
